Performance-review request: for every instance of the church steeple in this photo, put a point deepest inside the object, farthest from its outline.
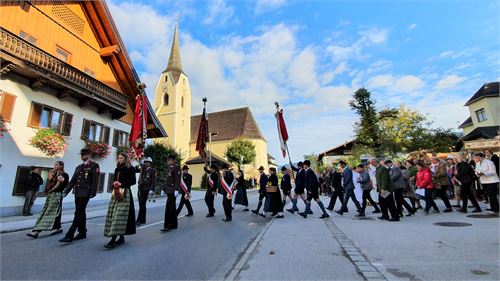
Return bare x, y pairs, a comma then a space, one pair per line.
174, 62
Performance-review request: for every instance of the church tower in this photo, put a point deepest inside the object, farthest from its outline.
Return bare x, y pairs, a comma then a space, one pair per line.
173, 101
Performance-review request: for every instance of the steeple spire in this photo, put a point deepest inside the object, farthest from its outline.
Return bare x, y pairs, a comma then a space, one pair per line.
174, 62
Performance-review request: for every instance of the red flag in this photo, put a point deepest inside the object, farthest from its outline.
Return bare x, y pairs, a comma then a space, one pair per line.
283, 134
138, 133
201, 142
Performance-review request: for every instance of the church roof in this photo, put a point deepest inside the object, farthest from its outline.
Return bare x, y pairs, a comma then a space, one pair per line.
229, 124
174, 61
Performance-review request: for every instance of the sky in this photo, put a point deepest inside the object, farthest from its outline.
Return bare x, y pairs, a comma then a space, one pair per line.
311, 56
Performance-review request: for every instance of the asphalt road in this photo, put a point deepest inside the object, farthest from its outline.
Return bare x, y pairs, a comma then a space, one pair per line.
201, 248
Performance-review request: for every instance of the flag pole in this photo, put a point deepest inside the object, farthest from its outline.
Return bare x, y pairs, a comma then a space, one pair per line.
204, 100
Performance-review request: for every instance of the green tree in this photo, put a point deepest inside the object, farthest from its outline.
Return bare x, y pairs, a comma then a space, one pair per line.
443, 140
159, 153
241, 151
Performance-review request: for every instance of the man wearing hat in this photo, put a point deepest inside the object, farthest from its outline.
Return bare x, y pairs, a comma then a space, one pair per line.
300, 185
84, 182
171, 189
226, 190
186, 182
147, 184
213, 184
286, 185
312, 187
262, 190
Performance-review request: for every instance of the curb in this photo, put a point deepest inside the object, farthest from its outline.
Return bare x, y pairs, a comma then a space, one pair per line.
242, 261
364, 267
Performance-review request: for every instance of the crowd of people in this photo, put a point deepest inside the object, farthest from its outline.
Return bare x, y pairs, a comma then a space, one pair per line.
399, 186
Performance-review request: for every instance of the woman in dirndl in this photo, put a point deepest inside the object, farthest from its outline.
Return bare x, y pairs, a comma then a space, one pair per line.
273, 204
241, 192
50, 217
120, 219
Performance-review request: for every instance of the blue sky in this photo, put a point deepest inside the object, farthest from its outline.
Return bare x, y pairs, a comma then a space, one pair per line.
312, 55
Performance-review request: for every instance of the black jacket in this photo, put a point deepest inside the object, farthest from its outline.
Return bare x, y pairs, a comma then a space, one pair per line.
173, 179
312, 183
215, 179
125, 175
147, 178
336, 181
53, 182
465, 173
33, 182
286, 183
263, 183
84, 180
273, 180
300, 179
187, 178
228, 178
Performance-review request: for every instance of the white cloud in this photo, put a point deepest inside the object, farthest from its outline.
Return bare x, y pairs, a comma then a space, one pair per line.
408, 83
380, 81
375, 35
218, 12
403, 84
412, 26
448, 82
343, 23
267, 5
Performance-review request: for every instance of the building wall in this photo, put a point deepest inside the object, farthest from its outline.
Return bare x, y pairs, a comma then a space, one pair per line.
197, 171
15, 150
491, 106
468, 129
175, 118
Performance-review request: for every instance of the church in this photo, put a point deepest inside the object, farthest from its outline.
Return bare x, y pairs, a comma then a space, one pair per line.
173, 108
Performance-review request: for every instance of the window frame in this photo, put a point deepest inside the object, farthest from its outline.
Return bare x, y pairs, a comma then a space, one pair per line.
89, 72
56, 54
102, 138
52, 110
27, 37
119, 134
481, 115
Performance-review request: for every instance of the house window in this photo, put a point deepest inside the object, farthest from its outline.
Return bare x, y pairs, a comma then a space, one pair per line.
7, 102
89, 72
100, 182
22, 178
182, 101
27, 37
62, 54
44, 116
165, 99
481, 115
95, 132
166, 78
120, 138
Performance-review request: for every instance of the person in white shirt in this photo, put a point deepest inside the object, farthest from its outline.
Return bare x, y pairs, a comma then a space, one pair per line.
486, 171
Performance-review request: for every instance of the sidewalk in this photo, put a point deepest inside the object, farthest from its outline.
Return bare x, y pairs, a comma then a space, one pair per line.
19, 223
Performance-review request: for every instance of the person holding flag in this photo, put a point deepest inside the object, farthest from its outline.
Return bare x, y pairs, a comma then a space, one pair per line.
226, 190
185, 190
171, 189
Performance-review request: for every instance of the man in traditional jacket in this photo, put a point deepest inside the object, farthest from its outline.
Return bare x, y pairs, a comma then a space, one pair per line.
226, 190
262, 189
213, 181
185, 190
171, 189
146, 187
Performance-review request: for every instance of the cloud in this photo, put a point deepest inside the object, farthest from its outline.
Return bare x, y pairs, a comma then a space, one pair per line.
343, 23
380, 81
448, 82
412, 26
267, 5
375, 35
408, 83
218, 12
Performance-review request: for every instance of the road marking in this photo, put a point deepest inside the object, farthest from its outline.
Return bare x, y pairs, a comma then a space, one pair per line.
156, 223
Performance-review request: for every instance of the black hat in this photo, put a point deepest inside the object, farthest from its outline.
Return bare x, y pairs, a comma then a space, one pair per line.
261, 168
284, 168
307, 162
171, 157
213, 166
224, 166
85, 151
388, 161
300, 164
185, 167
342, 162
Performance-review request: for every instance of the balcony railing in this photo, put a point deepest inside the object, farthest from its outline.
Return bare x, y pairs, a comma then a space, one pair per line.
91, 87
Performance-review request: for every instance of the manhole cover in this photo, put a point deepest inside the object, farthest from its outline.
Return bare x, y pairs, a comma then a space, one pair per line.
483, 216
452, 224
366, 218
479, 272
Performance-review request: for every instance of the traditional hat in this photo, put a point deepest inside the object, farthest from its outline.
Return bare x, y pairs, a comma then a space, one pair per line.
85, 151
300, 164
148, 159
307, 162
261, 168
185, 167
284, 168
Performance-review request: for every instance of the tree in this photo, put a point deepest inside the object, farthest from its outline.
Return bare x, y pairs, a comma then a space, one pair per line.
159, 153
241, 151
443, 140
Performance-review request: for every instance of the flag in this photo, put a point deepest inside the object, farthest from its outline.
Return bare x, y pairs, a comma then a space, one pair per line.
138, 133
283, 134
201, 142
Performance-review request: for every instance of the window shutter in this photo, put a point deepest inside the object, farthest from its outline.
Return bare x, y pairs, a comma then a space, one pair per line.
68, 121
111, 179
20, 183
106, 135
115, 137
7, 106
35, 115
85, 129
100, 185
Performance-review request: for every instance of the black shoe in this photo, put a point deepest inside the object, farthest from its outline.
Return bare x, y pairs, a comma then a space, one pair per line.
436, 211
273, 214
448, 210
25, 215
262, 215
246, 210
359, 215
323, 216
255, 212
471, 207
30, 214
188, 215
120, 241
66, 239
476, 210
166, 229
383, 218
410, 214
35, 236
456, 206
110, 245
227, 220
291, 211
376, 212
339, 212
137, 223
280, 217
80, 236
462, 210
310, 212
209, 215
303, 214
57, 231
394, 219
232, 208
488, 209
331, 209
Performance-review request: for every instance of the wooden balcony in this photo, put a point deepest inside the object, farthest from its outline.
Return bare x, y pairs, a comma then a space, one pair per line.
42, 68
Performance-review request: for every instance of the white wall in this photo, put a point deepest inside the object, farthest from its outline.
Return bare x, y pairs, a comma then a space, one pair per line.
15, 150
